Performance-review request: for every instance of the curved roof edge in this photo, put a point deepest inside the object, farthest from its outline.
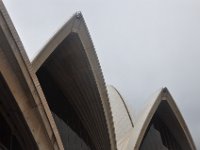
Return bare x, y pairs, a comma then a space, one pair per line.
28, 78
77, 25
124, 103
53, 42
121, 117
143, 121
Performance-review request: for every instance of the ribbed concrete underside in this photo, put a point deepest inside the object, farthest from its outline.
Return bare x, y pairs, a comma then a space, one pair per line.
78, 81
70, 70
22, 102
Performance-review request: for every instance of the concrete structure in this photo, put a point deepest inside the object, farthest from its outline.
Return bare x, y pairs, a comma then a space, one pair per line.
123, 123
26, 121
60, 101
161, 126
71, 78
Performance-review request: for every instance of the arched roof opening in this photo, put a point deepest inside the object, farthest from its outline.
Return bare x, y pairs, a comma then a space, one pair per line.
161, 124
71, 78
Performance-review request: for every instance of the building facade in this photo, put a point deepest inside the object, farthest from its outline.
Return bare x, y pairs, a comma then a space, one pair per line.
60, 100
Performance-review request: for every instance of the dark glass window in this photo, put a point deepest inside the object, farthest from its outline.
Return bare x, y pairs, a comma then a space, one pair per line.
8, 140
159, 137
71, 129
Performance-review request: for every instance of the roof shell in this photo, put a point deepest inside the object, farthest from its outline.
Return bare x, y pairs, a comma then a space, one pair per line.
76, 27
141, 125
22, 82
122, 121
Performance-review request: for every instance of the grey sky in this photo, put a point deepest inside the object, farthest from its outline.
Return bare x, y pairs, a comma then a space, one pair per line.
142, 44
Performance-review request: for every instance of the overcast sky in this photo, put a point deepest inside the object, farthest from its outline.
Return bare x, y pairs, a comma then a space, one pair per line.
142, 44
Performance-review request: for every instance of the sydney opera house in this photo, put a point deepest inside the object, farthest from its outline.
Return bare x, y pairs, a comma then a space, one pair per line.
60, 100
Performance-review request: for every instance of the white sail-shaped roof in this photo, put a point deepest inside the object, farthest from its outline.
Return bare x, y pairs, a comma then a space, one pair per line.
21, 98
164, 106
69, 58
122, 119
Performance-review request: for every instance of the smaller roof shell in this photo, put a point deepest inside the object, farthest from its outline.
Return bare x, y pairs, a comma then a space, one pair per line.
177, 124
121, 117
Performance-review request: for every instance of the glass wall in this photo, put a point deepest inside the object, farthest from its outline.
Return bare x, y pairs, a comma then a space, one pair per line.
159, 137
72, 131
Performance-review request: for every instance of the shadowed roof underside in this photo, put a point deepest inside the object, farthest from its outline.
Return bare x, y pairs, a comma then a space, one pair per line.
70, 59
164, 106
30, 112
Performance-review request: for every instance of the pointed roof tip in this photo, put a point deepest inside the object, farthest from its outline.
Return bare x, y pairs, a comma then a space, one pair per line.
71, 25
79, 14
75, 17
164, 89
166, 95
